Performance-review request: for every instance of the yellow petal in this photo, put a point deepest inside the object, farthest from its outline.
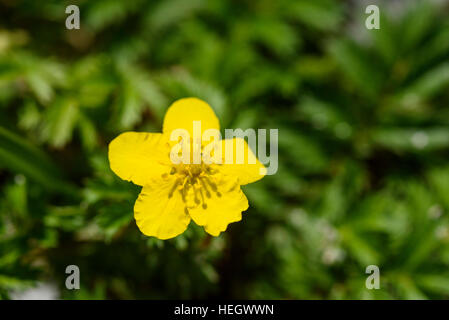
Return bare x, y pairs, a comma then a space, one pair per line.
139, 156
222, 209
183, 112
245, 167
159, 215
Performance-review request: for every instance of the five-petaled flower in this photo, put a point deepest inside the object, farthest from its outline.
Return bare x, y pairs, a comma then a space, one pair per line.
173, 194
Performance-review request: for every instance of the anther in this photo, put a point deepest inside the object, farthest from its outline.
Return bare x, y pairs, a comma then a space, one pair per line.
211, 171
185, 190
211, 184
173, 188
202, 198
205, 188
197, 201
233, 187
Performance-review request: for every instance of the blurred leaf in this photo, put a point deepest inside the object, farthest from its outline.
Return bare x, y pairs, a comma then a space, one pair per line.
435, 283
60, 121
18, 155
354, 62
319, 14
403, 139
427, 85
172, 11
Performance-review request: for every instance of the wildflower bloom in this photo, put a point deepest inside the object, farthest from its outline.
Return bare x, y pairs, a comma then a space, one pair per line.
207, 192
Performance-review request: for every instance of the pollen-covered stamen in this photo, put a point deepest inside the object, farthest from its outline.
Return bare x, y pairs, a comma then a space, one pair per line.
204, 205
196, 191
213, 186
211, 171
184, 190
206, 189
173, 188
194, 184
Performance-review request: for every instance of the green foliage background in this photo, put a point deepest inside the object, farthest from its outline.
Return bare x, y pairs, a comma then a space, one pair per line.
363, 119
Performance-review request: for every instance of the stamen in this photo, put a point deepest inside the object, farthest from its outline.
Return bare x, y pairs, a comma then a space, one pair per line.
196, 177
233, 187
202, 199
183, 196
195, 190
205, 187
185, 190
211, 184
211, 171
173, 188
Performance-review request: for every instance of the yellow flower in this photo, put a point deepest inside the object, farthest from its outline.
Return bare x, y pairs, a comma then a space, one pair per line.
173, 194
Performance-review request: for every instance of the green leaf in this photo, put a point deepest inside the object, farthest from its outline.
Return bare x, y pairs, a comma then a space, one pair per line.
358, 67
416, 24
405, 139
19, 156
426, 86
60, 121
305, 151
436, 283
88, 132
359, 247
171, 12
319, 14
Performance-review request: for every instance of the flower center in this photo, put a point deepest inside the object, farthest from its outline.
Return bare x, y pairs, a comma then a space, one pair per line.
194, 182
